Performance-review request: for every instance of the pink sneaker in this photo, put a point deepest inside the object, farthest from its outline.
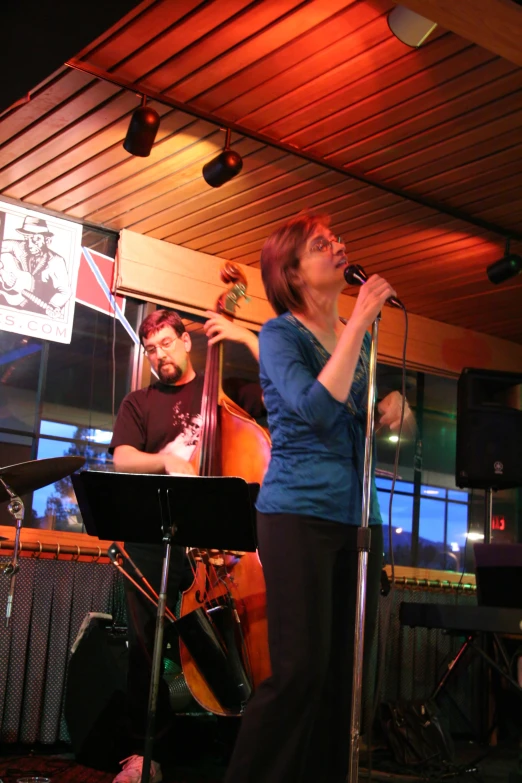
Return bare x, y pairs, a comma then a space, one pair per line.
131, 771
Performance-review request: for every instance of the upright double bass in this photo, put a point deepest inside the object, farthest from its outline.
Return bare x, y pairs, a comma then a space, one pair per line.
231, 444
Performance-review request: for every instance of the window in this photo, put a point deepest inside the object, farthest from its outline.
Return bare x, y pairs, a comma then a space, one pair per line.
59, 399
54, 506
433, 522
62, 399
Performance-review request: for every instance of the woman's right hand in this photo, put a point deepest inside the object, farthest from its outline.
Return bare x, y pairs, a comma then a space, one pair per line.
370, 300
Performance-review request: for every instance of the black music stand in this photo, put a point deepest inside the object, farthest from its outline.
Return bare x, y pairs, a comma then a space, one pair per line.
144, 508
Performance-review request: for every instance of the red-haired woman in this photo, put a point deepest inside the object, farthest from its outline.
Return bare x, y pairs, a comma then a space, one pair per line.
313, 369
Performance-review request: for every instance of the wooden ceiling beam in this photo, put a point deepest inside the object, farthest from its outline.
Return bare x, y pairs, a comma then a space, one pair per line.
495, 25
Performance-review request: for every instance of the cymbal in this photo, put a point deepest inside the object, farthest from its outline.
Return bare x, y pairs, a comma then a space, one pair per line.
28, 476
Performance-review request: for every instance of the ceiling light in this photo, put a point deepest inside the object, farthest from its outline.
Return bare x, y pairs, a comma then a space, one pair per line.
508, 266
142, 130
224, 167
409, 27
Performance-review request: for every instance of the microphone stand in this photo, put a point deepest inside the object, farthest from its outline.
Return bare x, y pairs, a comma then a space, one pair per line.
363, 547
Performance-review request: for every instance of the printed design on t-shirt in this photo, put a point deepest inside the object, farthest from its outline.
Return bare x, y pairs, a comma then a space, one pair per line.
189, 426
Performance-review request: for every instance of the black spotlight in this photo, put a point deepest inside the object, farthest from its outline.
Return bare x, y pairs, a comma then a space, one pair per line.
142, 130
508, 266
224, 167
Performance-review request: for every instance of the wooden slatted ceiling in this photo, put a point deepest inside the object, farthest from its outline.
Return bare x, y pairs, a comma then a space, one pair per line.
326, 76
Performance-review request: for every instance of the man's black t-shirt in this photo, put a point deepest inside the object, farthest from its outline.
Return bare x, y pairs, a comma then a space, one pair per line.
161, 419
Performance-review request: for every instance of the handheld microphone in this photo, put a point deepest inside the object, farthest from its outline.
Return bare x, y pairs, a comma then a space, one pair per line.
354, 274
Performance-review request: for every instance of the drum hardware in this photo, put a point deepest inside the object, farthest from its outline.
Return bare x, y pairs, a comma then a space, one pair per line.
16, 480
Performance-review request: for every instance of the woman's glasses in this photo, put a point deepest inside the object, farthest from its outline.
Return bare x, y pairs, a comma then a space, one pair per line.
321, 244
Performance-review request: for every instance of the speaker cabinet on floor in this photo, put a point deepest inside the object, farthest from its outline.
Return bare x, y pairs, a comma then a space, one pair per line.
95, 699
489, 430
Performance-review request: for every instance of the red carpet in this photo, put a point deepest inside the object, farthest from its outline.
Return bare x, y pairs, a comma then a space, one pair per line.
59, 769
63, 769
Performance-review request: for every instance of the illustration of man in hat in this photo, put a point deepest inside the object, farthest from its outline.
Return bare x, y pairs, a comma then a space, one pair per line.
33, 275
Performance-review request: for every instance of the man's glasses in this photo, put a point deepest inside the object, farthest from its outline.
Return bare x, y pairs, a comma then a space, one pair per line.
168, 342
321, 244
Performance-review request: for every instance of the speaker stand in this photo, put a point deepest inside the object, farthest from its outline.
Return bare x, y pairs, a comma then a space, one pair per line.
487, 696
488, 514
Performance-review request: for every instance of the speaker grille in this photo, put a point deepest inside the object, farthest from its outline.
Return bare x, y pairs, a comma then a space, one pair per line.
489, 430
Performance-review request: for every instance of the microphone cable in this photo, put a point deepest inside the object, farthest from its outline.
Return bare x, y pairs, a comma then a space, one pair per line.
398, 447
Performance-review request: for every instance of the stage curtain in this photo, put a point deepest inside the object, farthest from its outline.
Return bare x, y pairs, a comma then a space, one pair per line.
52, 597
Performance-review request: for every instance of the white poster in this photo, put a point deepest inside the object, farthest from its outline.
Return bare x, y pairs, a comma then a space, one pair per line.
39, 260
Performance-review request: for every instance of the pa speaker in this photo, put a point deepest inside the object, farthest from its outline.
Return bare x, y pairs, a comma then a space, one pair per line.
96, 694
489, 430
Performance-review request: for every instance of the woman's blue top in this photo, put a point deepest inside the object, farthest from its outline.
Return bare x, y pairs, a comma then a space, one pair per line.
317, 462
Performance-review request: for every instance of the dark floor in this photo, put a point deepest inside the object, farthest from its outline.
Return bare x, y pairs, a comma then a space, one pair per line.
62, 768
472, 763
484, 765
202, 752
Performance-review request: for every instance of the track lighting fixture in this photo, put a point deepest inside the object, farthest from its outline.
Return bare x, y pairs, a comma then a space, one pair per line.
142, 130
409, 27
504, 269
224, 167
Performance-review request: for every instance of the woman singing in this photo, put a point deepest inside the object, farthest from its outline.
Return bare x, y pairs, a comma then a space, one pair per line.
314, 372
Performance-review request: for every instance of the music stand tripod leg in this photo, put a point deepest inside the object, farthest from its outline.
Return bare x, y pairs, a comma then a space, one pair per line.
157, 657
